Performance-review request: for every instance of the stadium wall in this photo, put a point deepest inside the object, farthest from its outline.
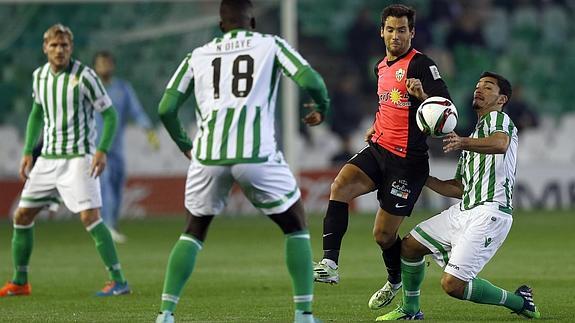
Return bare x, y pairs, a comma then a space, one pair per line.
538, 187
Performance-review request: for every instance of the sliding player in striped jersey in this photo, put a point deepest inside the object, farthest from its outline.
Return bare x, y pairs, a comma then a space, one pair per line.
234, 79
463, 238
66, 94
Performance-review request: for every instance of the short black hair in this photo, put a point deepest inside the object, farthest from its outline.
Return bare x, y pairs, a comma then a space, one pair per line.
398, 11
104, 54
503, 84
236, 12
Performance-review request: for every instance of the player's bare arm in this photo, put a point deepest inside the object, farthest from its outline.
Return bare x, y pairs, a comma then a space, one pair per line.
415, 88
98, 163
450, 188
25, 167
497, 143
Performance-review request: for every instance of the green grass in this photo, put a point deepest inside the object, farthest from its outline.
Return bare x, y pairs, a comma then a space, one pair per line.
241, 277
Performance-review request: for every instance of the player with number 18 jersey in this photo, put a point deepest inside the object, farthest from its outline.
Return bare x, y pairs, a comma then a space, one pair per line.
234, 79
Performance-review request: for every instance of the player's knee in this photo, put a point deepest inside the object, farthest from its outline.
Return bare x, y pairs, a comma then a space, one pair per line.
407, 250
292, 220
24, 216
452, 286
339, 190
89, 217
384, 239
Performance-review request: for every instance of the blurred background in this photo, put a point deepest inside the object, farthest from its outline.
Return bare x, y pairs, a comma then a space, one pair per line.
530, 42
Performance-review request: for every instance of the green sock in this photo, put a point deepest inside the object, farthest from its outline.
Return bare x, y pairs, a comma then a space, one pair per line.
300, 267
412, 273
483, 292
22, 243
180, 268
107, 250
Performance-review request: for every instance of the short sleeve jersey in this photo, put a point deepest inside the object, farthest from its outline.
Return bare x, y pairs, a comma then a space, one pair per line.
395, 120
489, 177
235, 79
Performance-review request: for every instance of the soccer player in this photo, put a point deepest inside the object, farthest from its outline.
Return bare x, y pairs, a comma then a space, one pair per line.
395, 161
463, 238
127, 106
235, 79
66, 95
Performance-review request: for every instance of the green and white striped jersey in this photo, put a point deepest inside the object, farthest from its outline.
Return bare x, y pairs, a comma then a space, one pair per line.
235, 79
489, 177
68, 101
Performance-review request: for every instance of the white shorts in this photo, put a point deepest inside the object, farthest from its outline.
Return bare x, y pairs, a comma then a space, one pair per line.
269, 186
464, 241
68, 178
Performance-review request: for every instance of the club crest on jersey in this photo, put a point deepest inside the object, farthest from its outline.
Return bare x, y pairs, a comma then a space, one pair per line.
400, 189
399, 74
74, 80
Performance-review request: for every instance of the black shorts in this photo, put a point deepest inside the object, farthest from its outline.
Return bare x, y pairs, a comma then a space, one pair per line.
398, 180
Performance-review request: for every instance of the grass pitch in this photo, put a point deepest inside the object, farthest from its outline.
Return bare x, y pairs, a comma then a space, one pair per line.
240, 274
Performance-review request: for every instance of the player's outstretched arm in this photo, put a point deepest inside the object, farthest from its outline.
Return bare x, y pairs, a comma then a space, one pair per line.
450, 188
497, 143
168, 111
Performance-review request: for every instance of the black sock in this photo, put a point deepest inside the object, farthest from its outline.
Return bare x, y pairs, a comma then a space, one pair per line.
392, 260
334, 227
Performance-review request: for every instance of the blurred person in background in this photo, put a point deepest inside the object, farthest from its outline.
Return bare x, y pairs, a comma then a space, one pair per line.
519, 111
395, 161
66, 93
346, 116
235, 79
463, 238
128, 107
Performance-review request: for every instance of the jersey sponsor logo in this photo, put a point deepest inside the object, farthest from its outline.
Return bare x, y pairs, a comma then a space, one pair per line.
399, 206
487, 242
453, 266
400, 189
434, 72
396, 97
399, 74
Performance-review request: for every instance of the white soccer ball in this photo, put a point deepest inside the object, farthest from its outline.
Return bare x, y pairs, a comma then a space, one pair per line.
436, 116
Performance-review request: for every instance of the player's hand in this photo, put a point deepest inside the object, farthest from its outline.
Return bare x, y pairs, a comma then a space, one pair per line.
452, 142
415, 88
314, 117
153, 140
188, 154
98, 164
25, 167
369, 133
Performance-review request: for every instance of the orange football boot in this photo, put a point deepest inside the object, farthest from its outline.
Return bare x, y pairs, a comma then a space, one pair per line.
11, 289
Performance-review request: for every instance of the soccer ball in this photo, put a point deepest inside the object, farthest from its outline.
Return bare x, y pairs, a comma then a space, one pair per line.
436, 116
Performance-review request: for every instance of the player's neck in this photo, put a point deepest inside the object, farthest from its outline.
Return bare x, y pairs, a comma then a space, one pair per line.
485, 111
390, 57
57, 69
106, 79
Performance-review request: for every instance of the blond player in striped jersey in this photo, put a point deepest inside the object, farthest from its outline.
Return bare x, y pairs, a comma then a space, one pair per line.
463, 238
235, 79
66, 94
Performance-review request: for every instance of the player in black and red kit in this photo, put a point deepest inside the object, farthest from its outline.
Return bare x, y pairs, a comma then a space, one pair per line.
395, 161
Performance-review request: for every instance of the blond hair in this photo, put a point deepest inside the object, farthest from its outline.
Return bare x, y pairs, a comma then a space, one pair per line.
57, 30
